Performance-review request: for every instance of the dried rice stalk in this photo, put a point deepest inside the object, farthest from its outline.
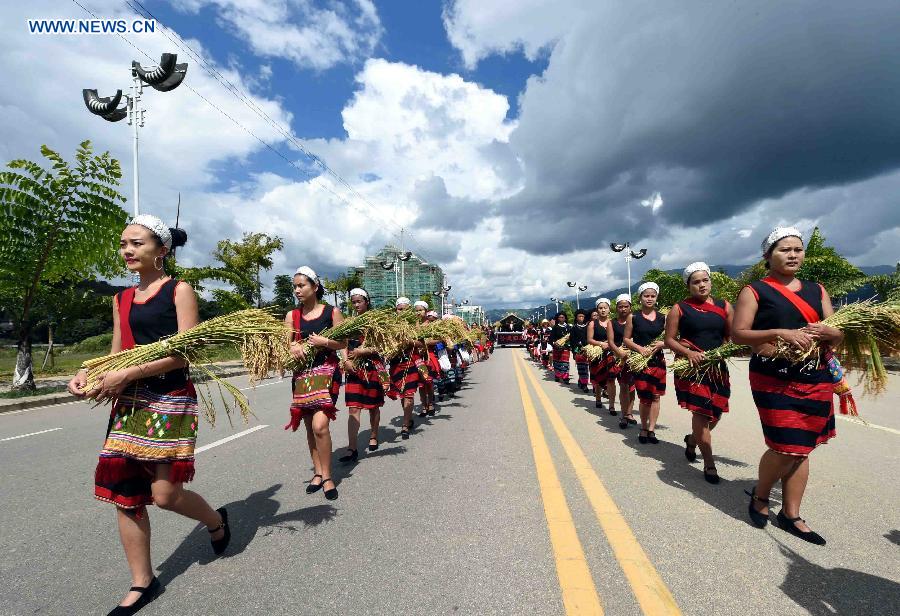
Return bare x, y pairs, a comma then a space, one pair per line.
637, 362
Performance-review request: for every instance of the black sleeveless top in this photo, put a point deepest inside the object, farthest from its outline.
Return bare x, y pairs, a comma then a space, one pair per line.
706, 330
775, 311
600, 331
578, 337
559, 330
644, 331
152, 320
618, 332
308, 327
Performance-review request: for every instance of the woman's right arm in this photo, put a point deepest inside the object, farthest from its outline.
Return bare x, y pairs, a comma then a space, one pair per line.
761, 340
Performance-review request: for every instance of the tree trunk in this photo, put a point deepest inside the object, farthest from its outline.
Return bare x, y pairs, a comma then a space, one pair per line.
23, 377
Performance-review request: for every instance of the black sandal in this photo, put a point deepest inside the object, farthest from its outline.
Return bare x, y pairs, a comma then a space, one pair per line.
711, 477
651, 437
219, 545
313, 488
690, 451
331, 494
623, 423
148, 594
404, 431
614, 412
642, 438
371, 446
788, 524
759, 519
352, 456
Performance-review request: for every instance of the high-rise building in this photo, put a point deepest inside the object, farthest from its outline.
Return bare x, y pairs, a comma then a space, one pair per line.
412, 278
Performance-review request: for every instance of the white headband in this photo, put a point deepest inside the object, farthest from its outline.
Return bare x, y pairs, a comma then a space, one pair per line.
602, 300
309, 273
156, 225
648, 285
697, 266
779, 234
361, 292
419, 304
447, 316
623, 297
431, 313
401, 301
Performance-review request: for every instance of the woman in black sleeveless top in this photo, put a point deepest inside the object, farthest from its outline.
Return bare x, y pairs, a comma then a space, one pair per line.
148, 454
794, 400
618, 369
314, 391
641, 333
697, 324
596, 336
560, 356
577, 342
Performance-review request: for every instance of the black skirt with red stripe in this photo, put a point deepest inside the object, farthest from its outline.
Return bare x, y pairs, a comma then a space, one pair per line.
404, 377
364, 388
707, 395
651, 381
795, 404
600, 369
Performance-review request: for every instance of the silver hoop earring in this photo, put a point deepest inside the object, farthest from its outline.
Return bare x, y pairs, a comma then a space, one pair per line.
159, 268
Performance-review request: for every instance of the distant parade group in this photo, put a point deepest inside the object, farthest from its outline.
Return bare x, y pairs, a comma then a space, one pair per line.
148, 452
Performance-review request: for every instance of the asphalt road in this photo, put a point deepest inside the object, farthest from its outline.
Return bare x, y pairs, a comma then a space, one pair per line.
519, 496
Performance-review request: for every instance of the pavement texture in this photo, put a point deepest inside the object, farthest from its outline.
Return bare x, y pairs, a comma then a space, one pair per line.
452, 520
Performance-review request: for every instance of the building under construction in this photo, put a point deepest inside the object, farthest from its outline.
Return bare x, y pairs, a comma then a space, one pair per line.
386, 277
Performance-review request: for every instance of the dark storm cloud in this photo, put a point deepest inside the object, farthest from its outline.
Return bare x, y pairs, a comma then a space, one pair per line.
716, 105
439, 210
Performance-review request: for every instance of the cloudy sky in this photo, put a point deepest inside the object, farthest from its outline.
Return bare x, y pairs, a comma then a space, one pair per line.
512, 140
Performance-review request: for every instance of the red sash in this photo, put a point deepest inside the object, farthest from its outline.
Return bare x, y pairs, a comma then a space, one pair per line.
806, 311
297, 318
126, 298
707, 307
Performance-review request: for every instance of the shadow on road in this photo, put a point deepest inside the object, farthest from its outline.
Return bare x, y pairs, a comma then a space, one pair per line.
827, 592
258, 512
893, 536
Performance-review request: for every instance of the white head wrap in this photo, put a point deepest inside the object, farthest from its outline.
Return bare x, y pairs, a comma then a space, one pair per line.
697, 266
156, 225
779, 233
602, 300
447, 316
648, 285
431, 313
401, 301
360, 292
309, 273
419, 304
623, 297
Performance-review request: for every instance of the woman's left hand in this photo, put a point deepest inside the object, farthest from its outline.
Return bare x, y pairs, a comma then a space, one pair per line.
318, 341
820, 331
112, 384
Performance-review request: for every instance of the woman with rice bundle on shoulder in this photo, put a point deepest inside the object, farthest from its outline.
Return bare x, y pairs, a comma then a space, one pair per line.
698, 324
423, 365
404, 377
794, 400
148, 454
315, 386
596, 336
365, 379
560, 355
577, 342
618, 368
642, 329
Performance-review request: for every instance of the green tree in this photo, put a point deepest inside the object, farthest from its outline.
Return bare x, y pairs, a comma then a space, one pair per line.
887, 285
245, 260
57, 224
284, 292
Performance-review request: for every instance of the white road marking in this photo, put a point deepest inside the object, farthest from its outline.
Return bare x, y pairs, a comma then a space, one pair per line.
228, 439
866, 424
12, 438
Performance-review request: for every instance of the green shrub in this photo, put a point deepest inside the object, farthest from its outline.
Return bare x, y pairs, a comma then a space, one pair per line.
95, 344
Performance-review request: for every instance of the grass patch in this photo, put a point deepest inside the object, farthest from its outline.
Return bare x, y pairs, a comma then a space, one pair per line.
40, 391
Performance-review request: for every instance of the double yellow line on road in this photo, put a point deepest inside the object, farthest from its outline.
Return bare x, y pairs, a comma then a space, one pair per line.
578, 590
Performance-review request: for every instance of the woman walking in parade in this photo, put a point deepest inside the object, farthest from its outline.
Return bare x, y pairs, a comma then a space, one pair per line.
693, 326
404, 378
577, 342
596, 336
618, 369
421, 358
794, 400
148, 454
313, 385
365, 379
560, 355
643, 335
544, 343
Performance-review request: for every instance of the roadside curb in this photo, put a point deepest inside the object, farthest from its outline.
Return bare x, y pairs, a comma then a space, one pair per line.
20, 404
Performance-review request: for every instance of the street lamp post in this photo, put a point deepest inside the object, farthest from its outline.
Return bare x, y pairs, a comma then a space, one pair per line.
578, 289
385, 265
442, 294
629, 255
555, 299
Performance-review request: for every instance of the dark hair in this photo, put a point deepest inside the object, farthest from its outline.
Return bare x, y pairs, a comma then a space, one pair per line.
582, 312
561, 314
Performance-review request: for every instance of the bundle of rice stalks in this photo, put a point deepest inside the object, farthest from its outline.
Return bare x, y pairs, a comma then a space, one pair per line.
258, 334
871, 329
593, 352
683, 368
637, 362
451, 331
562, 342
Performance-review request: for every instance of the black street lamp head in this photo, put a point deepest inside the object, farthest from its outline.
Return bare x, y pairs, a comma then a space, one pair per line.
404, 256
639, 254
387, 266
106, 107
159, 74
571, 284
582, 288
618, 247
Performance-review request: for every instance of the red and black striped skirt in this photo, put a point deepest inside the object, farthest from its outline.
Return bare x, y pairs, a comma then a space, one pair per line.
651, 381
600, 369
707, 395
364, 388
795, 404
404, 377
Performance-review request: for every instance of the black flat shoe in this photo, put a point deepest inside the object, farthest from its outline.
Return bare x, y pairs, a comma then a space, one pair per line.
371, 446
710, 477
788, 524
405, 430
148, 594
422, 413
430, 412
623, 424
690, 452
350, 457
631, 420
642, 438
614, 412
651, 438
758, 519
331, 494
598, 404
219, 545
311, 487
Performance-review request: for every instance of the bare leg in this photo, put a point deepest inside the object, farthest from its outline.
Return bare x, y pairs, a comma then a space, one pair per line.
793, 485
173, 497
322, 434
702, 438
611, 393
313, 454
644, 410
625, 399
353, 427
654, 413
407, 404
135, 536
374, 421
772, 467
